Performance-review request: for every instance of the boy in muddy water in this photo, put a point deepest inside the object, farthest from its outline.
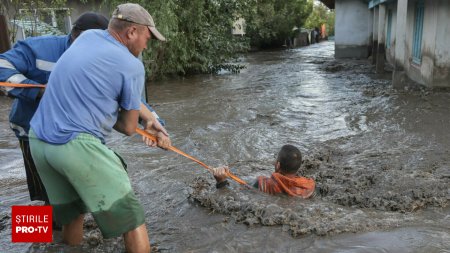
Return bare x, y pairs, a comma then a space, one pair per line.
283, 180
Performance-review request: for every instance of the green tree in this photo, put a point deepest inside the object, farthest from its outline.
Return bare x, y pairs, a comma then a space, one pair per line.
198, 34
272, 21
321, 15
330, 22
30, 11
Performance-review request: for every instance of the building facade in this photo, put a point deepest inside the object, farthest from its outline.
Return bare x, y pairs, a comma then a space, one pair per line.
411, 35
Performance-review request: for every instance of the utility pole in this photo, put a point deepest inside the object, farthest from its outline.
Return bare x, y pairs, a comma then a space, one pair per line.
5, 44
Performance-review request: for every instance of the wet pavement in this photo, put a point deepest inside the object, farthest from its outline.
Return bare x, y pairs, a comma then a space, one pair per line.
380, 158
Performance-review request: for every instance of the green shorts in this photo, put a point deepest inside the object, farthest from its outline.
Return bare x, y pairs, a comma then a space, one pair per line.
84, 175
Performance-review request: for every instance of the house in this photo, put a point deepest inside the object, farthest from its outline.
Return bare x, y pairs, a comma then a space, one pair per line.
410, 35
238, 27
23, 22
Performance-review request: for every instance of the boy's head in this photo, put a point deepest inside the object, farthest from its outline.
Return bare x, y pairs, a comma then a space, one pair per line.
289, 160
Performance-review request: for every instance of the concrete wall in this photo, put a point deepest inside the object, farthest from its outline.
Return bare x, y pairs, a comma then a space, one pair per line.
381, 52
441, 71
423, 73
351, 39
399, 76
357, 28
412, 70
370, 31
374, 42
390, 52
434, 69
429, 42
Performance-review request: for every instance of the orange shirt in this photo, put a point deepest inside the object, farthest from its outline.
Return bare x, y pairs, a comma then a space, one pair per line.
293, 186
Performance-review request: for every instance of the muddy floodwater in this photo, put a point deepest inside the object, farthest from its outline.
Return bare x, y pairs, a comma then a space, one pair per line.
380, 157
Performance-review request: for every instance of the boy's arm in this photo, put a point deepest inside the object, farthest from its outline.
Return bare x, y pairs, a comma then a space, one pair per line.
150, 108
256, 184
220, 174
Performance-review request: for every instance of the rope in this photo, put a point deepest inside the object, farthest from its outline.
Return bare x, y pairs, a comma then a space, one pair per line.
176, 150
22, 85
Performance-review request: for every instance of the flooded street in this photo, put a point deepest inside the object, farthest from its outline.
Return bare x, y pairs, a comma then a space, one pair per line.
380, 158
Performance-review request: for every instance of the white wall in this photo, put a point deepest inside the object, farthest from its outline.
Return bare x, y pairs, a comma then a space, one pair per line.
434, 69
351, 22
441, 71
413, 71
390, 52
352, 36
429, 41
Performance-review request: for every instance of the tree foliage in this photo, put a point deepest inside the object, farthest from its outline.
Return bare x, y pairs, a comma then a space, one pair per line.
272, 21
198, 34
199, 31
321, 15
29, 11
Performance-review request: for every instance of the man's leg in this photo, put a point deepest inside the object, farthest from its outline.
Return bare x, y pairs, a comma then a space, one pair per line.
35, 186
73, 232
66, 203
136, 240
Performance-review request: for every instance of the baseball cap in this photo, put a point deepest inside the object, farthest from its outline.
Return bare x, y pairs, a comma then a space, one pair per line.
135, 13
91, 20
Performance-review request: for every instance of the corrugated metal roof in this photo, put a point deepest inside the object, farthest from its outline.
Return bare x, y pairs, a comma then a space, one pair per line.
36, 28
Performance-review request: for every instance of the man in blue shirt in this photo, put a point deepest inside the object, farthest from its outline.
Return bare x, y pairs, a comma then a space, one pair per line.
92, 90
30, 62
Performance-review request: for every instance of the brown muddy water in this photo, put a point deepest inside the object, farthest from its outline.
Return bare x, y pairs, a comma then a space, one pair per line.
380, 158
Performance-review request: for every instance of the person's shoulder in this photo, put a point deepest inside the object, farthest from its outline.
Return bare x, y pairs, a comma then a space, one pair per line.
134, 68
131, 63
46, 38
92, 34
259, 179
95, 32
303, 177
43, 42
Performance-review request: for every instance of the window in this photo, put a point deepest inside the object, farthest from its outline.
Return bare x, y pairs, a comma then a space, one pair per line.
418, 29
389, 29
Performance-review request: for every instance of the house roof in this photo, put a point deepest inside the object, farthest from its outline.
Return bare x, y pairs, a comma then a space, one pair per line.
371, 3
36, 28
328, 3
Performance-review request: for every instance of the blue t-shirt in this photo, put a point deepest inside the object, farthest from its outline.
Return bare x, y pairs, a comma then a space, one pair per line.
95, 77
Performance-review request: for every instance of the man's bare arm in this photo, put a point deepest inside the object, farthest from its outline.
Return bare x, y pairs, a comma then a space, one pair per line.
127, 122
